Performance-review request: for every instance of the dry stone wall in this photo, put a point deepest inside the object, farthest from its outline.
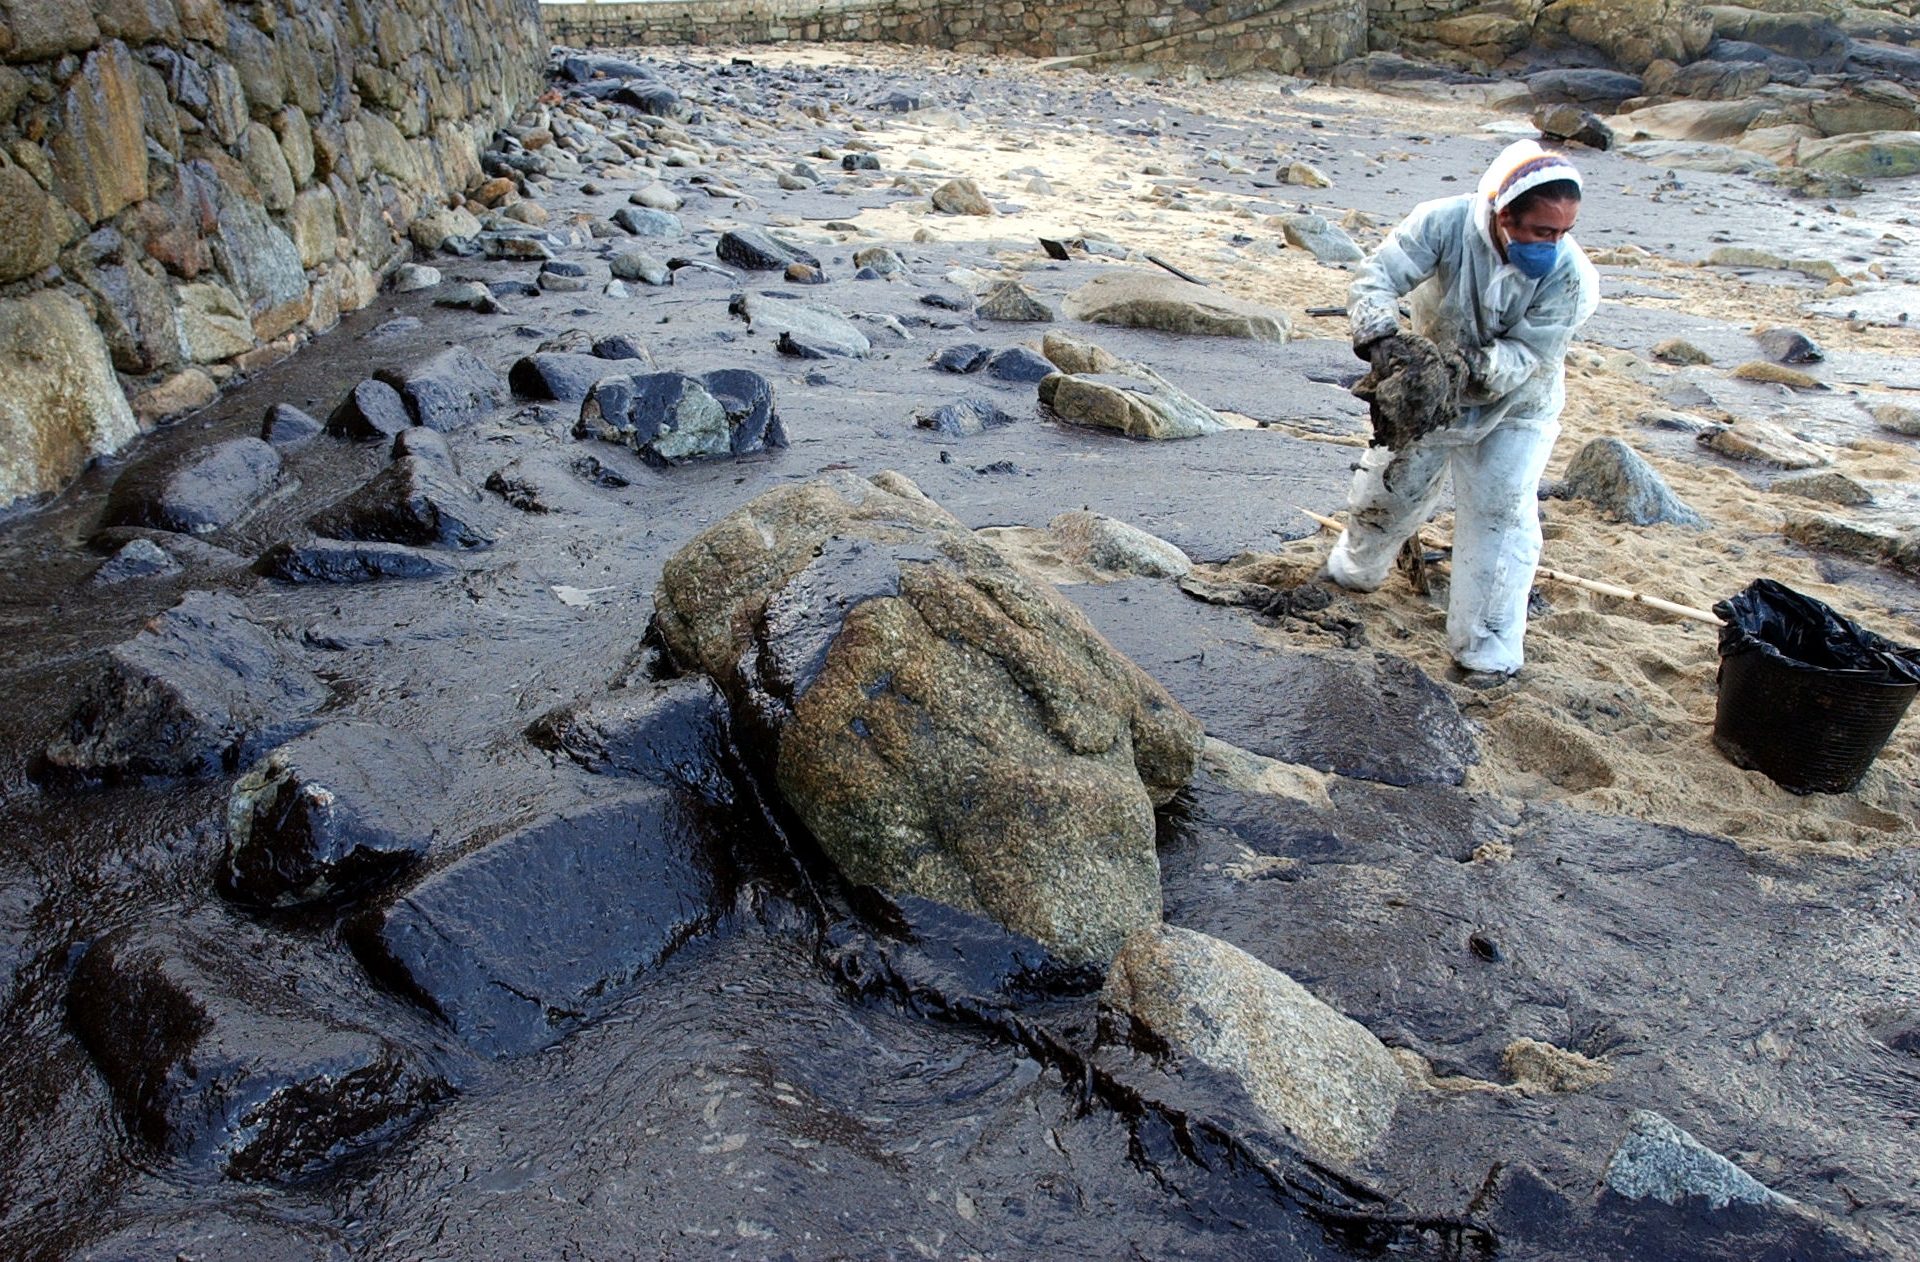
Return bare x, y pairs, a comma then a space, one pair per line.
1220, 36
187, 187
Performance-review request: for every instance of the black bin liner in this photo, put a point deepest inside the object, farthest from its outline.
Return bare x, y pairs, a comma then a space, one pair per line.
1808, 697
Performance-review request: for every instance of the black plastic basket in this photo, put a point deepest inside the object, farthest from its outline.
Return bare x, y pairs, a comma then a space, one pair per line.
1808, 697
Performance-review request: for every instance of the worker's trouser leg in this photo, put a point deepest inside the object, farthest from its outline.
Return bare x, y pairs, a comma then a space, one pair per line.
1393, 493
1496, 533
1496, 545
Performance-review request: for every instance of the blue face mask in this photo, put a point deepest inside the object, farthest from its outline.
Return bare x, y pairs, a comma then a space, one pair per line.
1534, 258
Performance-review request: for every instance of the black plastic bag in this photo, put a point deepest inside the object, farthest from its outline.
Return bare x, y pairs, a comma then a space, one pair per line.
1770, 617
1807, 697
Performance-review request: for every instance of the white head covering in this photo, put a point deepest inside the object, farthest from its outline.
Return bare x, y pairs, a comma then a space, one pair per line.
1523, 165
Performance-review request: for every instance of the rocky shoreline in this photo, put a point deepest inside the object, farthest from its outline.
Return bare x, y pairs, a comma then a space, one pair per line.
654, 740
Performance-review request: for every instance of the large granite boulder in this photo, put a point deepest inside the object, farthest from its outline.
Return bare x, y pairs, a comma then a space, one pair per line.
944, 726
1320, 1074
1147, 300
193, 691
217, 1054
60, 404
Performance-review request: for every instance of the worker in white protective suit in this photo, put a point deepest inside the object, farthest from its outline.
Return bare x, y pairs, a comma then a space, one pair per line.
1497, 278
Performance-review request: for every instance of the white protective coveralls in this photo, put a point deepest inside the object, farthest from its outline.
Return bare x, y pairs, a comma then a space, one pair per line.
1465, 295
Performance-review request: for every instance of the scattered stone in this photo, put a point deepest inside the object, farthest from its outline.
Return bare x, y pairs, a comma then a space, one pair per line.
881, 259
1070, 354
621, 346
948, 300
1013, 302
670, 418
1615, 477
1830, 486
1679, 351
1136, 299
1321, 1075
1539, 1068
1561, 123
1014, 776
644, 221
414, 501
757, 251
1018, 364
434, 229
1759, 370
1116, 547
286, 426
215, 1056
1864, 541
1128, 404
961, 197
448, 390
564, 377
335, 812
1747, 257
559, 277
197, 491
638, 265
964, 418
1788, 346
471, 296
623, 884
185, 391
1657, 1159
411, 276
196, 688
964, 358
820, 327
533, 214
1764, 443
1304, 175
1318, 237
137, 558
371, 410
802, 274
1897, 418
345, 561
657, 197
514, 245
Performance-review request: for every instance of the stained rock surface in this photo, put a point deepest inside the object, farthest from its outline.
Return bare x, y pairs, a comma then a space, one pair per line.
941, 725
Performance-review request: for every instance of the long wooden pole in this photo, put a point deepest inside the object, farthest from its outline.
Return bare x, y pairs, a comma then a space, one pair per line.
1574, 580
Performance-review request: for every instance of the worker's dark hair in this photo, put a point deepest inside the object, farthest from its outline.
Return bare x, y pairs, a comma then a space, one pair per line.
1551, 191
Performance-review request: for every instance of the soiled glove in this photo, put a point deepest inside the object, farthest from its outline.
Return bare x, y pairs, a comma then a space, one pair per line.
1414, 388
1369, 330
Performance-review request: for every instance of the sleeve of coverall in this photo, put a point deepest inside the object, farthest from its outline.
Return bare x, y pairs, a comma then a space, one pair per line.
1543, 333
1408, 256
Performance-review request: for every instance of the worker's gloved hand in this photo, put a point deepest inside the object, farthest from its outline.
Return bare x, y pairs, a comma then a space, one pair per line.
1414, 388
1370, 330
